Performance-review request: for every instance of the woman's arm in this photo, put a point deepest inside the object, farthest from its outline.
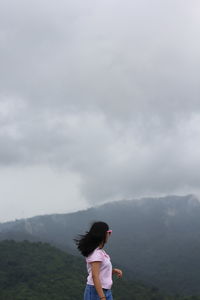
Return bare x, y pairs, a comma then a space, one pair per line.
95, 276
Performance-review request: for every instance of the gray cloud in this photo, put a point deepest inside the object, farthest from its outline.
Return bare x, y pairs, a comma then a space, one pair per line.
107, 90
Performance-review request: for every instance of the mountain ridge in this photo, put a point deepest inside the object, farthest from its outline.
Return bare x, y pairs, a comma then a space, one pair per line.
156, 239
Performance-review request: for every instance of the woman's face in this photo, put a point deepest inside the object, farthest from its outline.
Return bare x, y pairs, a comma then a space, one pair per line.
108, 234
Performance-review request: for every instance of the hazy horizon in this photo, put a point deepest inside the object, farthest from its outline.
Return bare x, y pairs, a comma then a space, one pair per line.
99, 205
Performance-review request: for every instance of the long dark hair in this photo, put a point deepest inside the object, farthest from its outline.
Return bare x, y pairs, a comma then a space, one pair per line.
88, 242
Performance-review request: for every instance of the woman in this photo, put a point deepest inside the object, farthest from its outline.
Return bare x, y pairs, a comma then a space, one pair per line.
99, 280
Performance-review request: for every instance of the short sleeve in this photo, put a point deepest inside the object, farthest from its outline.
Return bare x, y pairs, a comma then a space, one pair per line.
95, 256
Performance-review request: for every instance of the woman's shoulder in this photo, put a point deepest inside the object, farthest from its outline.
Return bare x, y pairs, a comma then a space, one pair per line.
97, 251
96, 255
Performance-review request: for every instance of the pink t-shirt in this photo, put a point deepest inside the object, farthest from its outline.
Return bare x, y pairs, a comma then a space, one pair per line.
105, 274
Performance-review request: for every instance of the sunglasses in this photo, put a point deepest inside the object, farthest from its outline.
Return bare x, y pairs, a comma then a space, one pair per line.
109, 231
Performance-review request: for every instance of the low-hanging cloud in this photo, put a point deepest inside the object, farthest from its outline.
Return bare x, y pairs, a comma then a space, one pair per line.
107, 90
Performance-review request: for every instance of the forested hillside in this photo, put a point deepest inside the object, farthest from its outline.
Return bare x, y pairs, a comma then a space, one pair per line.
39, 271
157, 240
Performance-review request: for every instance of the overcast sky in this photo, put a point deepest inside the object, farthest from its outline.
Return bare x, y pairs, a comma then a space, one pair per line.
99, 101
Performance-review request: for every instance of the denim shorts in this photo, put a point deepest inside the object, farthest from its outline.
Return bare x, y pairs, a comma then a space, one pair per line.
91, 293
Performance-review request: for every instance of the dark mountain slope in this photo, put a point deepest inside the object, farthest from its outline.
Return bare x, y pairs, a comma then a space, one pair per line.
156, 239
38, 271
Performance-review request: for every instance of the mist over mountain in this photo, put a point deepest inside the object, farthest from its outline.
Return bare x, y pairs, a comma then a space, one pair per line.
157, 240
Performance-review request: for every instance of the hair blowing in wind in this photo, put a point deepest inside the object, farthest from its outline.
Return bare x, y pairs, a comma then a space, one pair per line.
92, 239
